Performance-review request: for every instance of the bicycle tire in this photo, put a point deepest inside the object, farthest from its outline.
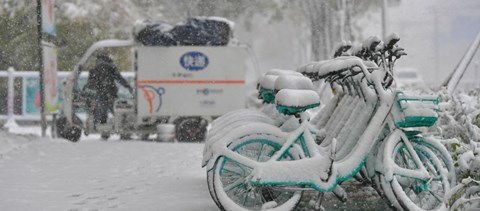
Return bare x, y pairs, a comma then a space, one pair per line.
412, 193
242, 196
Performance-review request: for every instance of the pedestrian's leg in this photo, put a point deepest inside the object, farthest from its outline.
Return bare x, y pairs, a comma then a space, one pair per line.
101, 113
111, 102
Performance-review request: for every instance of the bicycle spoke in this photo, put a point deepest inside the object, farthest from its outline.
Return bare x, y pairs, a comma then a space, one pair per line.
409, 190
260, 152
235, 184
240, 167
439, 199
246, 196
231, 171
238, 193
262, 199
271, 196
258, 198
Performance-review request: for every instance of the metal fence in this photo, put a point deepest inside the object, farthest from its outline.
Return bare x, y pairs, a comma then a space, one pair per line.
20, 92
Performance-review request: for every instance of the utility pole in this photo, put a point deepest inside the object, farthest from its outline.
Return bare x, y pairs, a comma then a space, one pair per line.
47, 60
384, 19
40, 68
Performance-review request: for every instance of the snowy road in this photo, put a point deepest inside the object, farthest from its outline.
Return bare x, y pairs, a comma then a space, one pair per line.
97, 175
46, 174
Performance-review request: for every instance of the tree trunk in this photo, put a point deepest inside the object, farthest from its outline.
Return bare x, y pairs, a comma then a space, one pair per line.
325, 29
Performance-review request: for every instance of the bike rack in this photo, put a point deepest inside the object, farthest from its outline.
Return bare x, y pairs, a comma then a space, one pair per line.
350, 108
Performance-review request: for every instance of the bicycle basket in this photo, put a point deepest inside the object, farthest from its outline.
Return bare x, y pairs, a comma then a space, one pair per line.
415, 111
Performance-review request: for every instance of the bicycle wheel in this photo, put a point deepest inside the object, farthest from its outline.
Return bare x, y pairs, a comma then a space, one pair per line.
210, 187
442, 153
413, 193
231, 188
384, 190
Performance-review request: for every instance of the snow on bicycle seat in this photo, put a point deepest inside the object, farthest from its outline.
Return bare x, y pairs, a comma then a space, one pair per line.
279, 72
293, 82
267, 81
293, 101
265, 90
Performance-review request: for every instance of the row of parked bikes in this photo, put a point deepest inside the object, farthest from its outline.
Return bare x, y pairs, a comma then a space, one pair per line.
267, 159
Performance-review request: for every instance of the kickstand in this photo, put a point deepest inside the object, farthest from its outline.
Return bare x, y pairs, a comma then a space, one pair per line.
318, 203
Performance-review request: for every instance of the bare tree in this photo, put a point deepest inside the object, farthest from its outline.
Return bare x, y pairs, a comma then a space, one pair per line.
315, 18
331, 21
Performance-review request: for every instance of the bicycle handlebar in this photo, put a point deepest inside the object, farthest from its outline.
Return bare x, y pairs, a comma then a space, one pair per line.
337, 68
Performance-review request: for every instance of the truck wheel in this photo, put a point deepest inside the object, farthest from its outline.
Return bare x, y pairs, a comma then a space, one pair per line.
105, 136
191, 130
126, 136
144, 137
67, 131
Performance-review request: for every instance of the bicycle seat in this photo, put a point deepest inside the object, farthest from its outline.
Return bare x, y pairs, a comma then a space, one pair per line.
266, 84
265, 89
294, 101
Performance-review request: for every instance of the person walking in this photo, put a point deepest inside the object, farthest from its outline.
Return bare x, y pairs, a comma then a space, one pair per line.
101, 81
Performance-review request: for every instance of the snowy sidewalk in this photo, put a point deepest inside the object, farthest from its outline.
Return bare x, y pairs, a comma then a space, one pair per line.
55, 174
44, 174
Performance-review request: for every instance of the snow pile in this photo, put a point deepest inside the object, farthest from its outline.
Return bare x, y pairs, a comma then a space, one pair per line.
23, 137
10, 142
459, 118
464, 196
459, 125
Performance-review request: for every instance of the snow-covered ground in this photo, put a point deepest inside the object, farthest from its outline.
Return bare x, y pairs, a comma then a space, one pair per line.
54, 174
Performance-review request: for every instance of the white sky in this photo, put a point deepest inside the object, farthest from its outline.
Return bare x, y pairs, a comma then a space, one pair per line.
436, 34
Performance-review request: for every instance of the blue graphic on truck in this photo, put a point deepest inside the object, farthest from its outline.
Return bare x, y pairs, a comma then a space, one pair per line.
194, 61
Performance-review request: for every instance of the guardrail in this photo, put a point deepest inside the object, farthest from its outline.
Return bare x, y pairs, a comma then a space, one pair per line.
30, 100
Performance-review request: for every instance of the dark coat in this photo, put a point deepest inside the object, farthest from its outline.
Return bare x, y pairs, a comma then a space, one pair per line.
102, 79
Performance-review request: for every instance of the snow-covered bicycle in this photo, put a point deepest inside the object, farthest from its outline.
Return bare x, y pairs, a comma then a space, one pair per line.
368, 128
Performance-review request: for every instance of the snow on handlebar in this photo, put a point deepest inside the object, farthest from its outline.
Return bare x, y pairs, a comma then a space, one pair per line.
340, 67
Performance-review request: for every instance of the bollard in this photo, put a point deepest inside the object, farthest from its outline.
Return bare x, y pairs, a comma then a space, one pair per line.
10, 99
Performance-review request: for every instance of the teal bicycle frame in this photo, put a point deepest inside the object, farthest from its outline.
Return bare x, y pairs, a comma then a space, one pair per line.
319, 170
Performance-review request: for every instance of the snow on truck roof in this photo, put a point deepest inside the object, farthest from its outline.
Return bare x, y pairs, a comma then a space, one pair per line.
230, 23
